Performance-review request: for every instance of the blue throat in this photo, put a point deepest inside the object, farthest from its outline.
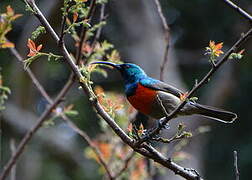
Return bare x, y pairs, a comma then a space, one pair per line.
131, 76
130, 86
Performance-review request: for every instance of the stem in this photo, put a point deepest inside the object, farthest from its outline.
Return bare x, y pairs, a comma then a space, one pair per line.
167, 39
239, 10
237, 174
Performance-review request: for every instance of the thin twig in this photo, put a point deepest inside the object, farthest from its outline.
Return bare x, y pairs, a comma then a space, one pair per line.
237, 174
167, 141
13, 150
167, 39
90, 143
62, 31
239, 10
63, 25
31, 75
42, 118
31, 132
98, 32
84, 30
126, 164
184, 172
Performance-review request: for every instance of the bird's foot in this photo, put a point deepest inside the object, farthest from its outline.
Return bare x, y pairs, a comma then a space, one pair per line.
160, 124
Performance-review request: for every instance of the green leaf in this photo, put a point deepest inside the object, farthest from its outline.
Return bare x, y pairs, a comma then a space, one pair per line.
52, 56
71, 113
186, 134
90, 32
101, 1
181, 126
235, 56
49, 122
40, 30
194, 99
6, 89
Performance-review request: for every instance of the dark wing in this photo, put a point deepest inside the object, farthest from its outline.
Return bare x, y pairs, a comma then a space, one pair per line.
161, 86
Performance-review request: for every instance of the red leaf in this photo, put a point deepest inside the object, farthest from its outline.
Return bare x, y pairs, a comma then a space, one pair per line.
32, 47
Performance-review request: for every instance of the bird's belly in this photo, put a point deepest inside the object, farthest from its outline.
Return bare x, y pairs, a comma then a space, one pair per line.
143, 99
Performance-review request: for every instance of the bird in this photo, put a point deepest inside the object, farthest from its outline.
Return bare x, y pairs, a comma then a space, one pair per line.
150, 96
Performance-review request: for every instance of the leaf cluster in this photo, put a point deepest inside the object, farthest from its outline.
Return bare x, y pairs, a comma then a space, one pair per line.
6, 20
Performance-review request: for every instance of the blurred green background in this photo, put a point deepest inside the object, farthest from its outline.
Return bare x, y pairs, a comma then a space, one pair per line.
135, 29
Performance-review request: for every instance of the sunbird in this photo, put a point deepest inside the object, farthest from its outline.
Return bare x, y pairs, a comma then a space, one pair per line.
150, 96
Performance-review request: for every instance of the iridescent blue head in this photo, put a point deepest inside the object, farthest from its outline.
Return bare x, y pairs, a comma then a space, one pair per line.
131, 73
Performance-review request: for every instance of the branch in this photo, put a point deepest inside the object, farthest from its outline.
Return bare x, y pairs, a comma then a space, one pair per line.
98, 32
156, 156
237, 174
188, 174
31, 75
42, 118
77, 73
91, 144
31, 132
63, 24
167, 38
144, 149
239, 10
68, 121
126, 163
13, 150
204, 80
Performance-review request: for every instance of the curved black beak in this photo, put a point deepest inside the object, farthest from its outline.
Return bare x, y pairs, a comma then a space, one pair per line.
117, 66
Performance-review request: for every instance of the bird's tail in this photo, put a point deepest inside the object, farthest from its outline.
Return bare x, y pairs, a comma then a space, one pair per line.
215, 113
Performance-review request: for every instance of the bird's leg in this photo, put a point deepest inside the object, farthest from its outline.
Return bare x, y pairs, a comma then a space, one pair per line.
148, 132
135, 132
160, 124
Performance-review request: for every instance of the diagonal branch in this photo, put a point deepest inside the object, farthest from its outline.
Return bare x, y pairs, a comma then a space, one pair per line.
155, 155
239, 10
31, 75
91, 144
32, 131
68, 121
204, 80
126, 164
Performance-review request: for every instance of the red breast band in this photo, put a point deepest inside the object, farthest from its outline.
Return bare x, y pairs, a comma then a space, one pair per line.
143, 99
